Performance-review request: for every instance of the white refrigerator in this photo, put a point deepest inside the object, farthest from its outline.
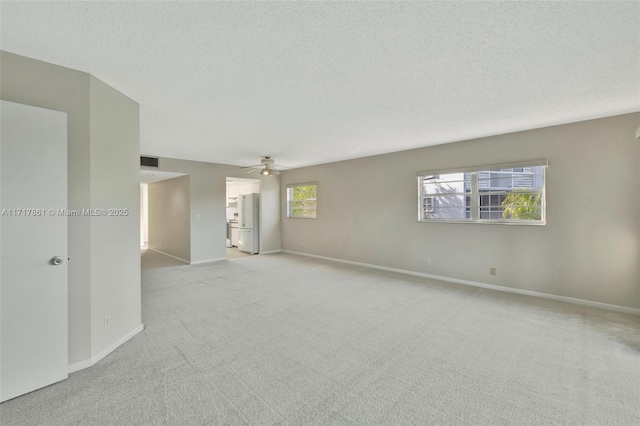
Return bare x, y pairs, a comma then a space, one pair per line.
248, 223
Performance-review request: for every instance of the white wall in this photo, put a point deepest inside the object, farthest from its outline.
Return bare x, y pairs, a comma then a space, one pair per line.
144, 214
208, 201
169, 217
589, 249
244, 187
102, 162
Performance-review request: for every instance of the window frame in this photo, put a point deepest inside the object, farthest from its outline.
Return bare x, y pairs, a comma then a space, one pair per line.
475, 193
289, 207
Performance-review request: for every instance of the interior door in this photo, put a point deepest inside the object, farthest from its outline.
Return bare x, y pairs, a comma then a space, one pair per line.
33, 285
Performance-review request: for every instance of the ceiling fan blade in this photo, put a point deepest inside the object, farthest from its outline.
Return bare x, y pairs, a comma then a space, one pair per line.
251, 171
248, 167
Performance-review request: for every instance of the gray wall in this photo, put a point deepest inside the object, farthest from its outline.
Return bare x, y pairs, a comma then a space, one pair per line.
169, 217
589, 249
208, 201
100, 173
270, 214
115, 240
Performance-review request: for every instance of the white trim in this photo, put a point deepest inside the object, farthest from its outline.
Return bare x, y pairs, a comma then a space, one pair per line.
290, 215
97, 358
217, 259
293, 185
572, 300
170, 255
79, 366
487, 221
530, 163
271, 251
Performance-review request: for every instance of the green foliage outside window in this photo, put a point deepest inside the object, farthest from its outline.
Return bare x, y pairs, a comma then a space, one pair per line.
302, 201
521, 205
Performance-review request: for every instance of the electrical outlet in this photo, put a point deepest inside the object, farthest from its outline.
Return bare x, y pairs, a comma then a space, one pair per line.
197, 217
428, 262
107, 322
492, 271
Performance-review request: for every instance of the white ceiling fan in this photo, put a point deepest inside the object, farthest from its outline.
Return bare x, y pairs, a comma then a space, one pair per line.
266, 167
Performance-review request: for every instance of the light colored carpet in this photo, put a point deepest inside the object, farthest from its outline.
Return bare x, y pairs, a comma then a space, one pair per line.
288, 340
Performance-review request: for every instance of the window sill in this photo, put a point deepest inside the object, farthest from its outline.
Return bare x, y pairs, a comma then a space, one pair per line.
487, 222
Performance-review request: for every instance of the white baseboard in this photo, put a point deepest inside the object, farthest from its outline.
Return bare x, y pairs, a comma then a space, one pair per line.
79, 366
96, 358
170, 255
573, 300
217, 259
271, 251
195, 262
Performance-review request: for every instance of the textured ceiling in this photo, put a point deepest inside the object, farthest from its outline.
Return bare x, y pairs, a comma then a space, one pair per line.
313, 82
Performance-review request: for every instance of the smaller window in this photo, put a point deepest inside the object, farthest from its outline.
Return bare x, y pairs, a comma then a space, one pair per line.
428, 204
301, 200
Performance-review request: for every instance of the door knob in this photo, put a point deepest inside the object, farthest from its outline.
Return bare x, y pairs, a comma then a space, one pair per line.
57, 260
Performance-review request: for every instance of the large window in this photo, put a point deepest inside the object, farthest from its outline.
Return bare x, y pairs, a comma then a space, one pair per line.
301, 200
508, 193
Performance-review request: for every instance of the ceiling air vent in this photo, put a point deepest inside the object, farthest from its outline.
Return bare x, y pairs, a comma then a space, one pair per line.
149, 161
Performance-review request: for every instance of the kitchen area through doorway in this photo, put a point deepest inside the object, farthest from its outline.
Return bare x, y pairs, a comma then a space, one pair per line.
243, 213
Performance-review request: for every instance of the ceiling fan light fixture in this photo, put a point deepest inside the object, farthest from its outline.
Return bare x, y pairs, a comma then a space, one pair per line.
266, 171
266, 167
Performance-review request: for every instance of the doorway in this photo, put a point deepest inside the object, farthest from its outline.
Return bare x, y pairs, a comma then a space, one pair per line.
164, 214
237, 229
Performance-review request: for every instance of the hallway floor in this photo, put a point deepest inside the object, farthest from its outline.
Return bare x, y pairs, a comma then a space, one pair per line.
233, 252
152, 259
